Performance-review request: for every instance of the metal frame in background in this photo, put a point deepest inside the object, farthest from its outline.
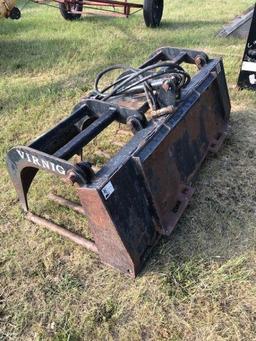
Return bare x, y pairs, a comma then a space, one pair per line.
73, 9
94, 5
247, 75
125, 6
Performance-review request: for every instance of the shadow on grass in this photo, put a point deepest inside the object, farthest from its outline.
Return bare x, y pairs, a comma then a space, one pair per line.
172, 23
43, 54
33, 55
187, 25
34, 91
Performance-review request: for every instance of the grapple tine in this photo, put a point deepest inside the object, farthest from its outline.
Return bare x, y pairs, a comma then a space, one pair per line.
66, 203
88, 244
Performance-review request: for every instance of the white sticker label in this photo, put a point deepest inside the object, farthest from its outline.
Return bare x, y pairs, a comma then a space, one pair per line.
249, 66
107, 190
252, 79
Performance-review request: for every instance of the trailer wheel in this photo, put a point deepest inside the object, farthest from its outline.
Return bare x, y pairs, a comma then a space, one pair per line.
153, 11
65, 8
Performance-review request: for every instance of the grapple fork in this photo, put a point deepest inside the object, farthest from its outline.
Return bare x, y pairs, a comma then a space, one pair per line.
142, 191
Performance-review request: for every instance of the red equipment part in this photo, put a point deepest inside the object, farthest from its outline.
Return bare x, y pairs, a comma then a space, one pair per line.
73, 9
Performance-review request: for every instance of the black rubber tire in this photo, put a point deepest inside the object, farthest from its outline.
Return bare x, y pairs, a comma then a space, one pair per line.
15, 13
64, 9
153, 11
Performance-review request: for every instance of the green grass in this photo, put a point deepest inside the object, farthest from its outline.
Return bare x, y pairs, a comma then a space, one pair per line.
197, 285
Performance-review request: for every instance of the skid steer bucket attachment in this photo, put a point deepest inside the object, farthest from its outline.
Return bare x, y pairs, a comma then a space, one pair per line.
142, 191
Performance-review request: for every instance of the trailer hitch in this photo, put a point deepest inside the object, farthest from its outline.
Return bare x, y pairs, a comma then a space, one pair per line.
142, 191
